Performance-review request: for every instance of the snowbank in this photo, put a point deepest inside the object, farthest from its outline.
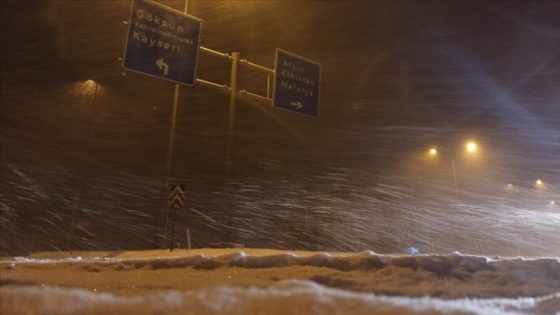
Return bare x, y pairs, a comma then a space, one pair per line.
276, 282
285, 297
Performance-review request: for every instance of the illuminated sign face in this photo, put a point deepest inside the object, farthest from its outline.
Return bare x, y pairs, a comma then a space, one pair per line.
162, 42
296, 84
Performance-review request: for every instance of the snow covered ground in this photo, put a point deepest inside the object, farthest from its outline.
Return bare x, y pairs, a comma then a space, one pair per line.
258, 281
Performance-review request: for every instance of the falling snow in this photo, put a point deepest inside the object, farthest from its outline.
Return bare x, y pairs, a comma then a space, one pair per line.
86, 162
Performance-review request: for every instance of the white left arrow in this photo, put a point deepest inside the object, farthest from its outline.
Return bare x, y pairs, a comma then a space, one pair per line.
162, 65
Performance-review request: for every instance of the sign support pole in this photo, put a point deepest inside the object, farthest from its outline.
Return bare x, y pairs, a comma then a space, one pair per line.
169, 156
231, 128
172, 239
168, 163
232, 98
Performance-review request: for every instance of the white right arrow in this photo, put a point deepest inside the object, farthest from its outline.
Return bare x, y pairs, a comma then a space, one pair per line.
297, 104
162, 65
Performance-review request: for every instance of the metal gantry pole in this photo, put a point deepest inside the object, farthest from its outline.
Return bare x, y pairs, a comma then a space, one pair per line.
168, 166
231, 130
165, 218
232, 98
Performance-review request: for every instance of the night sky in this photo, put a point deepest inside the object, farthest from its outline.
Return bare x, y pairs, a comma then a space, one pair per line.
83, 163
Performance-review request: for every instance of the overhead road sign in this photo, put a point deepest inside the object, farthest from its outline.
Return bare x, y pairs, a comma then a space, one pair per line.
296, 84
162, 42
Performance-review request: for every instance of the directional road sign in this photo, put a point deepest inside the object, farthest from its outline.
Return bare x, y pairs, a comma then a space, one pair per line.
296, 84
176, 197
162, 42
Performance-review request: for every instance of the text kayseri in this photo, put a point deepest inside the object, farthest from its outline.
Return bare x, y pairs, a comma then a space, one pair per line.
151, 42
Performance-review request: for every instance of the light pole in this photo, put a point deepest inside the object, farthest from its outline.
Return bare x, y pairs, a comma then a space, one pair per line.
471, 147
454, 174
87, 85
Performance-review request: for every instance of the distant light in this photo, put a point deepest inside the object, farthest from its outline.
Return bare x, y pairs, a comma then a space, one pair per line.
510, 185
539, 182
471, 147
552, 203
433, 151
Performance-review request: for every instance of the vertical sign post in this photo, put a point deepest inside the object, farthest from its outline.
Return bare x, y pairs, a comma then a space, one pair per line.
163, 43
176, 200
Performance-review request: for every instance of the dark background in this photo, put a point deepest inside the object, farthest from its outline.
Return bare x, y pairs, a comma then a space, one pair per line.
83, 163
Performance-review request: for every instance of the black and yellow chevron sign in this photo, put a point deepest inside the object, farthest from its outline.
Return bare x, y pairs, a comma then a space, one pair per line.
176, 198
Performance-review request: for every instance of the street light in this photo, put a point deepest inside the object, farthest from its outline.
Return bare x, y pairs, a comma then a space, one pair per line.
471, 148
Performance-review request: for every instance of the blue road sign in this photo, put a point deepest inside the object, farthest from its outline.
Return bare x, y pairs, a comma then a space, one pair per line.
296, 84
162, 42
